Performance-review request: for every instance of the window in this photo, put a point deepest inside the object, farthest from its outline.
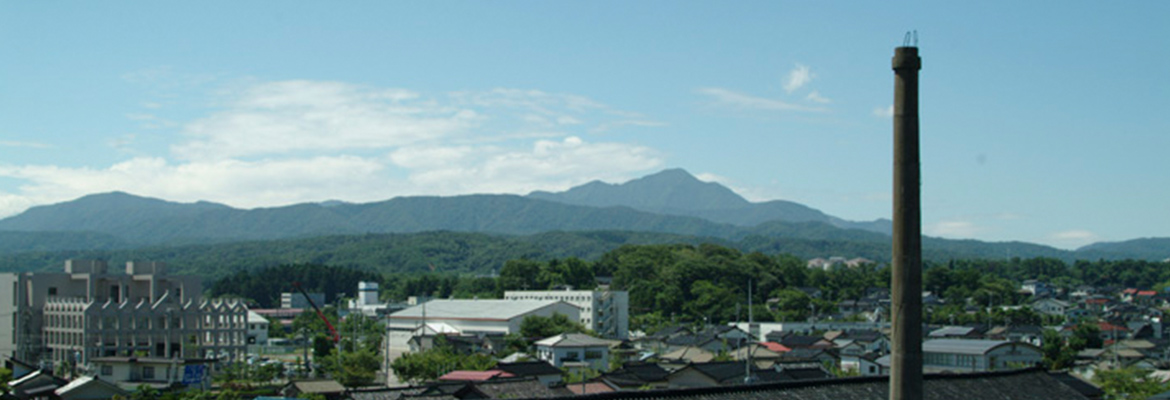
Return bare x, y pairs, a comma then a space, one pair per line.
147, 373
52, 291
107, 370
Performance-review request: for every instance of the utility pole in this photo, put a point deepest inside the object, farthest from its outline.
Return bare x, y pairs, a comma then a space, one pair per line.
906, 360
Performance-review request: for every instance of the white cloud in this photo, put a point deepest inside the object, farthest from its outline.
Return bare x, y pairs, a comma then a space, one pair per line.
239, 183
740, 100
278, 143
1073, 239
954, 229
797, 77
546, 165
815, 97
886, 112
293, 116
30, 145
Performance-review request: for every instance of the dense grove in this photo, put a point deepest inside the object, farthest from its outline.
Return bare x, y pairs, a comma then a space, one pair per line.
709, 283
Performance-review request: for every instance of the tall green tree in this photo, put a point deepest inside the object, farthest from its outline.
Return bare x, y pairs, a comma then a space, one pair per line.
1128, 383
538, 327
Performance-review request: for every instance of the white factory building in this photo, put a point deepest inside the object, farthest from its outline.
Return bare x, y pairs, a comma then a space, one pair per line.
603, 311
491, 317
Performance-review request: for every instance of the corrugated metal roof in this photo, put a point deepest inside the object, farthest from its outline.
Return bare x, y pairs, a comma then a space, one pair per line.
501, 310
961, 346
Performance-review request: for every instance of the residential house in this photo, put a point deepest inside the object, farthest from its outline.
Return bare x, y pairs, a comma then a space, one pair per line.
328, 388
1050, 306
130, 372
956, 332
635, 376
90, 388
1031, 334
542, 371
575, 347
709, 374
474, 376
37, 385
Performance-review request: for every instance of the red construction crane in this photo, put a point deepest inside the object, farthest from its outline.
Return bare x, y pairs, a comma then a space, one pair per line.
336, 336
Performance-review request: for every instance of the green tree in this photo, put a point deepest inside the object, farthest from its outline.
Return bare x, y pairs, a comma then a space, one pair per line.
538, 327
144, 392
1057, 354
1128, 383
792, 305
357, 368
430, 364
520, 275
5, 377
1086, 335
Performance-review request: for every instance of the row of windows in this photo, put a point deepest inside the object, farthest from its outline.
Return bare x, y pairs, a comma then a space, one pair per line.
953, 360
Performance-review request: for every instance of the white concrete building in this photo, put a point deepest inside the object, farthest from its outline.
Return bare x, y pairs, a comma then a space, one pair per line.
574, 348
605, 312
257, 328
88, 312
297, 300
471, 317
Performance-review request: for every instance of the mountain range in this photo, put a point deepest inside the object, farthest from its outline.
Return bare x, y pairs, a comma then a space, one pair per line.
669, 202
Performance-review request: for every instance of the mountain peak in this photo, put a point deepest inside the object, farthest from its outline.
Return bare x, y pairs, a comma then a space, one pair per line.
666, 191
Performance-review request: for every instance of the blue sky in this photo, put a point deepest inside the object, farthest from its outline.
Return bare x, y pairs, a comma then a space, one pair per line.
1045, 122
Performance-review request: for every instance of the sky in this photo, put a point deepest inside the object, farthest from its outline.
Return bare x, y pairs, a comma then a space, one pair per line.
1044, 122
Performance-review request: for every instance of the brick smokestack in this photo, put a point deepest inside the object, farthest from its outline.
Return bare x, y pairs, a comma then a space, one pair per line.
906, 362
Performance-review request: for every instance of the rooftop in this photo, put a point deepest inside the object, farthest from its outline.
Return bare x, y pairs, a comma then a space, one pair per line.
574, 340
962, 346
1017, 384
499, 310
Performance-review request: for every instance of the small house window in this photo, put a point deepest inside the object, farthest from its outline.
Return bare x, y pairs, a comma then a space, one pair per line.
107, 370
52, 291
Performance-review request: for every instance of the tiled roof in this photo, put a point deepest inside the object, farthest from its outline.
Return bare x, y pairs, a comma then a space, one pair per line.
474, 375
515, 389
1020, 384
574, 340
318, 386
590, 387
529, 368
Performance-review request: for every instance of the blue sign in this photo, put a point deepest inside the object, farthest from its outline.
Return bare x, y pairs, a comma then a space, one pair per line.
193, 374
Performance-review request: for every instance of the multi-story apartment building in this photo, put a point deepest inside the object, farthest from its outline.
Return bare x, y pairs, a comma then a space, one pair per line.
88, 312
603, 311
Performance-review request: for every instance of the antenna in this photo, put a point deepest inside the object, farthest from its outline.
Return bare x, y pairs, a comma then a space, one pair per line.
747, 367
911, 39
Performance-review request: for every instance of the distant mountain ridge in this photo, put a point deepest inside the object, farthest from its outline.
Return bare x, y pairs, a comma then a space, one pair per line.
672, 203
152, 221
677, 192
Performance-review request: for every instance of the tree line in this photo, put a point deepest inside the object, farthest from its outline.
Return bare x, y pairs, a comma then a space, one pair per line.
710, 283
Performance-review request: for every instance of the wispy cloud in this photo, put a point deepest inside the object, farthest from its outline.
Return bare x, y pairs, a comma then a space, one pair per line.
797, 77
815, 97
739, 100
884, 112
954, 229
30, 145
1073, 239
292, 116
